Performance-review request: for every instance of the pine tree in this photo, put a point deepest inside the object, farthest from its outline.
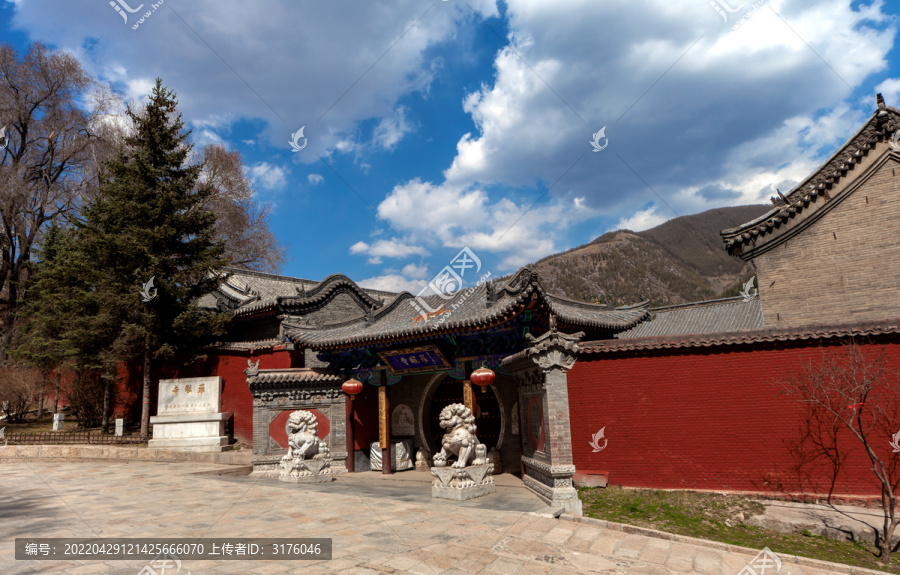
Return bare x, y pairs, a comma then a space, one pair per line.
64, 328
153, 246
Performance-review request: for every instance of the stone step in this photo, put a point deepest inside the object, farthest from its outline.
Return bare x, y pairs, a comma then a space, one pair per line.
11, 453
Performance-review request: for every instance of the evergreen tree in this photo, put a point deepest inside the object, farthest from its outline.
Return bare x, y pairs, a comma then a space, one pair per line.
64, 328
152, 244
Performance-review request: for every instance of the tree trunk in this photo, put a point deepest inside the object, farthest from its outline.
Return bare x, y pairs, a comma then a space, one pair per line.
145, 405
104, 421
56, 395
41, 398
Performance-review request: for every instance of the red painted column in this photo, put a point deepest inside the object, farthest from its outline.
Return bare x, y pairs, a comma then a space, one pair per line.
351, 452
384, 409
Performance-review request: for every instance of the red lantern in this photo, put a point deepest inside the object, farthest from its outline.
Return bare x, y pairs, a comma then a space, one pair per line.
482, 377
351, 387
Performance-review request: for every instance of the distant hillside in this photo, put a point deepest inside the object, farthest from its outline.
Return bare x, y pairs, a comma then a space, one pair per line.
680, 261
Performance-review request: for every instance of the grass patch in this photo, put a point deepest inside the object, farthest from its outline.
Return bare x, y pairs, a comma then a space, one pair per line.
720, 518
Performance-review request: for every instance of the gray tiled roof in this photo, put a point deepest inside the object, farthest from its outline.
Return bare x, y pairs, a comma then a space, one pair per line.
249, 291
467, 309
811, 196
746, 337
288, 376
724, 315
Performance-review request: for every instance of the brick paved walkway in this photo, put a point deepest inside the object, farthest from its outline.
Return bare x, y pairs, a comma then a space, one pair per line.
374, 529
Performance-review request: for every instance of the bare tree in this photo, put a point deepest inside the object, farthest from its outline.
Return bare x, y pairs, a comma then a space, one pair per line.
242, 223
47, 162
19, 388
854, 389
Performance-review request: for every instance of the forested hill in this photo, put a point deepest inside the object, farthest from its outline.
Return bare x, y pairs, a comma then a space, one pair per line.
680, 261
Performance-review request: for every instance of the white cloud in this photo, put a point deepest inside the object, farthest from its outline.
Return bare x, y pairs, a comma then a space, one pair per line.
642, 220
415, 271
391, 129
392, 248
393, 283
328, 50
315, 179
890, 89
523, 231
268, 176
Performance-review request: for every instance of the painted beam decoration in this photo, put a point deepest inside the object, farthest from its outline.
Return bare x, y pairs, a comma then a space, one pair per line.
415, 360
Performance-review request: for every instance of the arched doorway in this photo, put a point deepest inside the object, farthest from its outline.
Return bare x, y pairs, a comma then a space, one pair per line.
488, 417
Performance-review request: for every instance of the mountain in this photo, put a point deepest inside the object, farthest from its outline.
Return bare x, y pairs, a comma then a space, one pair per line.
680, 261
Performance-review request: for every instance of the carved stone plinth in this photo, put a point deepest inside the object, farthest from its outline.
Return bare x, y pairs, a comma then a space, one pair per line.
306, 470
463, 483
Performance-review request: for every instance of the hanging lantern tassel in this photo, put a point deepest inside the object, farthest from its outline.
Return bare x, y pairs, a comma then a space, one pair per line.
351, 387
483, 377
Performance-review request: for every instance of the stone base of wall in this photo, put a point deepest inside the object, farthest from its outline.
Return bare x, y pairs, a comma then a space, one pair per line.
13, 453
552, 483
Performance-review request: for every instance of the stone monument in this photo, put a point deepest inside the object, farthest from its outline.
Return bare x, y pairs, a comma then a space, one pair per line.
58, 419
120, 427
189, 415
308, 459
470, 475
401, 455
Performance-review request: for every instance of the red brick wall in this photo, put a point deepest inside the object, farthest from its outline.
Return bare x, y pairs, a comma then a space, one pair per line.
701, 419
230, 365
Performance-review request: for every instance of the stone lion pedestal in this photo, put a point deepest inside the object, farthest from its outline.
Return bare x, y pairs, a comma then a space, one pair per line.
463, 483
471, 475
306, 471
308, 459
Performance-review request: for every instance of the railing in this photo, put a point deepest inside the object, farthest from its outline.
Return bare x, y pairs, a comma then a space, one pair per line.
69, 437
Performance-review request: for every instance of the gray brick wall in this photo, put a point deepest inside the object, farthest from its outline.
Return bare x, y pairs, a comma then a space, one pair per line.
844, 267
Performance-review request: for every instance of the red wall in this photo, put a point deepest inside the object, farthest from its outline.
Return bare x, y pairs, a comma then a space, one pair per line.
230, 365
703, 418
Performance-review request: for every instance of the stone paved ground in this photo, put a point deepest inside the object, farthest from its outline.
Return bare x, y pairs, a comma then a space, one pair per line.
374, 529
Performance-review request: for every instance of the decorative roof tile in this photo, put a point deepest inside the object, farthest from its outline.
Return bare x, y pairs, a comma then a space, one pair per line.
246, 293
810, 195
771, 335
479, 307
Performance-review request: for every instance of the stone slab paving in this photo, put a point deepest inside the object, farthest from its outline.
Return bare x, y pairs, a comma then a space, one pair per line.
379, 525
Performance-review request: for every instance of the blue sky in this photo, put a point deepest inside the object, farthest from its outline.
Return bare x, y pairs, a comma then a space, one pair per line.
430, 126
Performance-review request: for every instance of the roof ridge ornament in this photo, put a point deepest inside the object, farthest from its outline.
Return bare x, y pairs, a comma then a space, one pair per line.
252, 368
880, 99
554, 350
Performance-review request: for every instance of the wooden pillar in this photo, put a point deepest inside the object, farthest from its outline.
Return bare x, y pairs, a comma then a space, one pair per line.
384, 425
468, 400
351, 448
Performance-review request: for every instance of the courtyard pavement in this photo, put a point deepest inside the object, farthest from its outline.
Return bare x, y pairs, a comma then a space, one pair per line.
378, 524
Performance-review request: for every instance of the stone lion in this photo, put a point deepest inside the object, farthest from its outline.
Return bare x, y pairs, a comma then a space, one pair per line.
303, 439
459, 439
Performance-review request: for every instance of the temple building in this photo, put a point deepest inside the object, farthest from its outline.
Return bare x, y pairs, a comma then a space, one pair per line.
677, 397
